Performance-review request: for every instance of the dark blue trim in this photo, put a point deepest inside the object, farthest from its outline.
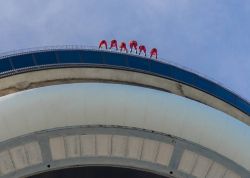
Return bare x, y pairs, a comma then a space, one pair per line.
66, 58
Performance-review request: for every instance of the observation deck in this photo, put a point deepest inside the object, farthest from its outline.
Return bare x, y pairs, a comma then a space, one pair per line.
188, 83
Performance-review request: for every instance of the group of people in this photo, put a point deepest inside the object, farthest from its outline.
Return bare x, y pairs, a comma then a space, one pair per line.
132, 44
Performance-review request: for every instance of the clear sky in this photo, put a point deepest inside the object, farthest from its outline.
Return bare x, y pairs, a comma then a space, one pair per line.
208, 36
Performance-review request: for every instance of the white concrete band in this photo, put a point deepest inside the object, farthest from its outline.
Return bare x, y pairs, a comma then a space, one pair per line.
116, 146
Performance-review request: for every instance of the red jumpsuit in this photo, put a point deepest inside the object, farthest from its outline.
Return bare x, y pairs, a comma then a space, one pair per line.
113, 44
142, 48
123, 47
133, 44
153, 52
103, 42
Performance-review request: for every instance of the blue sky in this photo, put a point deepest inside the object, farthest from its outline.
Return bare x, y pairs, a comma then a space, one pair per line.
208, 36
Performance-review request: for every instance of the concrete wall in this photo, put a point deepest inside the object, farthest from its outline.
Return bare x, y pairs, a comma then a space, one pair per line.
112, 146
35, 79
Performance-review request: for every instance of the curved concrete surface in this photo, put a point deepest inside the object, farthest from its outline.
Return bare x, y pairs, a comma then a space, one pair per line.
34, 79
79, 57
112, 146
124, 105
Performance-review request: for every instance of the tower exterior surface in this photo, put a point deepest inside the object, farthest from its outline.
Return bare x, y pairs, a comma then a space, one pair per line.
67, 107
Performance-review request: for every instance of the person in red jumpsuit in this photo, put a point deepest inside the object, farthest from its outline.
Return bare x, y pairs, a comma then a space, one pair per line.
142, 48
103, 42
153, 52
123, 47
133, 45
113, 44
